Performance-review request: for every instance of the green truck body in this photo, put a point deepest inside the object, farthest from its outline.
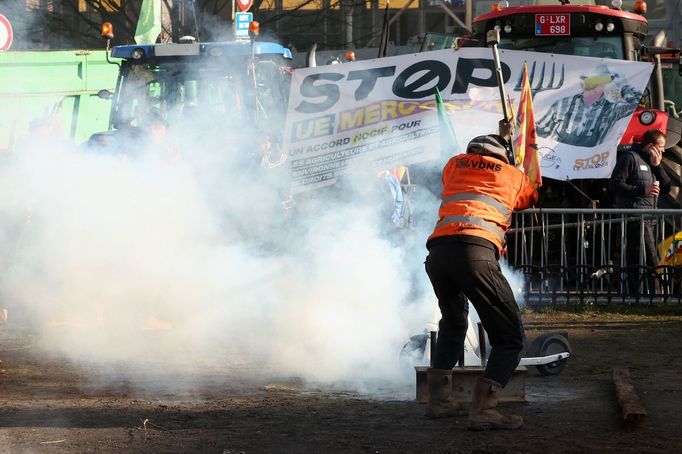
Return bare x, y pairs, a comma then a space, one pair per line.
55, 87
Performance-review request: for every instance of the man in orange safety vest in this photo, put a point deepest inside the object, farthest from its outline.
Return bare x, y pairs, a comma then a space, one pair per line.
481, 189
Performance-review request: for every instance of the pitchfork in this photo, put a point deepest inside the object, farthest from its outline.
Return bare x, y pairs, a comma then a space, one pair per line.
542, 84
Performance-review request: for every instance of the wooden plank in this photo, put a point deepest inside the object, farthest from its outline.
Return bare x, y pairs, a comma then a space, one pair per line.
628, 399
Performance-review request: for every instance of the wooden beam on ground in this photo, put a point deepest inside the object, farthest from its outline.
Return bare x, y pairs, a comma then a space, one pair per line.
628, 399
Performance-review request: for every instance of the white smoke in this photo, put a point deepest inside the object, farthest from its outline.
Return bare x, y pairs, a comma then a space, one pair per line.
141, 261
169, 272
516, 282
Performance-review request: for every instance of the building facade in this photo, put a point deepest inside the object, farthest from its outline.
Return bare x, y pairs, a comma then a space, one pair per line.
331, 24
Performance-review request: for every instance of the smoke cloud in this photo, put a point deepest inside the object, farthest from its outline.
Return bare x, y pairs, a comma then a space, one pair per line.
160, 259
168, 259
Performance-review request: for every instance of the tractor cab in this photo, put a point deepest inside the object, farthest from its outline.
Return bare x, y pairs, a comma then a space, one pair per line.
221, 78
242, 82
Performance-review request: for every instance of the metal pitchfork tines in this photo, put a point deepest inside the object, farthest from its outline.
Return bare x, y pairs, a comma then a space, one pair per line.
542, 84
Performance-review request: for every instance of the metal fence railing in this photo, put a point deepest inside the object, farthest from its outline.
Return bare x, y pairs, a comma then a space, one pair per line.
581, 255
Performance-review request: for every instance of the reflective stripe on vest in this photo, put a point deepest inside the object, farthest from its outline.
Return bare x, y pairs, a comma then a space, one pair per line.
473, 221
504, 211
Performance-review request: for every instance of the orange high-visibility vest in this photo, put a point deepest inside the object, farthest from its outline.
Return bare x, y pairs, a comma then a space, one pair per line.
479, 195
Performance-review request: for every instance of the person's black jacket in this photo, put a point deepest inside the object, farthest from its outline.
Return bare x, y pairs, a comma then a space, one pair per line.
631, 176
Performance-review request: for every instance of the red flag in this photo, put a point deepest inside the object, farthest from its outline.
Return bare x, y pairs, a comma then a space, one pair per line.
526, 141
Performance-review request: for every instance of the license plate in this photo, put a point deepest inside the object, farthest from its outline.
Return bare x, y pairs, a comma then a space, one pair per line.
552, 24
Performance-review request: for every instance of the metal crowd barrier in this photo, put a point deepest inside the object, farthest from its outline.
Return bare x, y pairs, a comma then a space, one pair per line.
572, 255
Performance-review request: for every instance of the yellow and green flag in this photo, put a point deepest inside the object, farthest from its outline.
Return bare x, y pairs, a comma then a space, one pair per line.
670, 250
149, 22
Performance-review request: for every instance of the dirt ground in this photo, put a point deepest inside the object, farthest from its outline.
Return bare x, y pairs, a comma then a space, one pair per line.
48, 405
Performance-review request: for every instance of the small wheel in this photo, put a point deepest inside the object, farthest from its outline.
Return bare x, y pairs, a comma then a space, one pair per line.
553, 347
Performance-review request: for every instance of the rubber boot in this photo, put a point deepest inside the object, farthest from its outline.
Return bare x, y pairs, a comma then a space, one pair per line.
444, 402
482, 415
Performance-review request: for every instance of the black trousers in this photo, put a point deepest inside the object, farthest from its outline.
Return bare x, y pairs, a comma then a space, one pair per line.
636, 274
460, 270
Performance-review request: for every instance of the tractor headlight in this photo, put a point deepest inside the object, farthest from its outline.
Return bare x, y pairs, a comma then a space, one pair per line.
137, 53
647, 117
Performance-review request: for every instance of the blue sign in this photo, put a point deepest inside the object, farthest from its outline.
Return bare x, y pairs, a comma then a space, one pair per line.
241, 25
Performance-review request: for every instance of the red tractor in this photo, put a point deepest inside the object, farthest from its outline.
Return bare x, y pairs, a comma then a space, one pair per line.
592, 31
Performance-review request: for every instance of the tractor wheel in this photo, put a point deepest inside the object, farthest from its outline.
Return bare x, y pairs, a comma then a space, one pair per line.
552, 347
672, 163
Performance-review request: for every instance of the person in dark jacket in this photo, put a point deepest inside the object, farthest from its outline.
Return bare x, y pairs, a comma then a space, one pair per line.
480, 191
636, 182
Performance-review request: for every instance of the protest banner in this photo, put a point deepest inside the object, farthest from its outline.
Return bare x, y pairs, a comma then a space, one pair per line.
377, 114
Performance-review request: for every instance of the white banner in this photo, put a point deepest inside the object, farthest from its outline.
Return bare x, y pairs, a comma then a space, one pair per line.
378, 114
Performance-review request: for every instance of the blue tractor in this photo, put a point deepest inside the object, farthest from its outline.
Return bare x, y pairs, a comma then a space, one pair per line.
236, 85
